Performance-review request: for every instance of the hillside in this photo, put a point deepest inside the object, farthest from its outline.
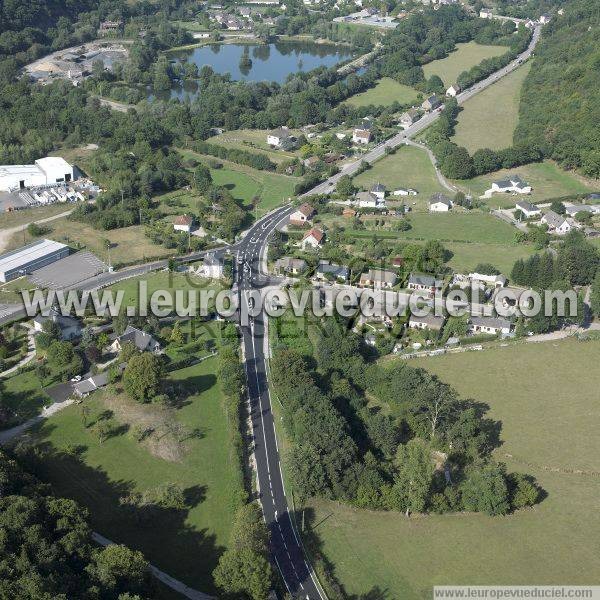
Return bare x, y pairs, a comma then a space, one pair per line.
560, 103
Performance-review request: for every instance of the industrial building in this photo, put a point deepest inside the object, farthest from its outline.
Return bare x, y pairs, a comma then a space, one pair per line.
45, 171
29, 258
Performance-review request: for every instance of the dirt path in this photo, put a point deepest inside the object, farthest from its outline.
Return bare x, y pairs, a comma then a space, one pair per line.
6, 234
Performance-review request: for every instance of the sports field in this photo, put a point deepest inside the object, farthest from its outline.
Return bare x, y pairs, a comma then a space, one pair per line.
489, 119
463, 58
385, 92
545, 395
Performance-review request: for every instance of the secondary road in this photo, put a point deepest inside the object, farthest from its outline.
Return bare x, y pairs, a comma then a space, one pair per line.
425, 121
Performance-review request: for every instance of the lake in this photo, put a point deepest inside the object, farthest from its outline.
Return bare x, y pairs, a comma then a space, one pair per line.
270, 62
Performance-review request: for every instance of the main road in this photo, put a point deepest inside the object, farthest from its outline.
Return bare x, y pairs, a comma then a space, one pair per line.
400, 138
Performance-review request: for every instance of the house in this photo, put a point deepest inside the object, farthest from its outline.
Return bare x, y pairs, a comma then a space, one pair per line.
556, 223
439, 203
183, 223
70, 327
496, 281
573, 209
87, 386
369, 200
303, 215
545, 19
513, 183
453, 91
143, 341
529, 210
427, 322
110, 28
312, 239
424, 283
486, 13
431, 103
213, 267
281, 138
404, 192
361, 136
398, 262
328, 271
245, 11
409, 118
529, 24
378, 279
287, 265
378, 190
491, 325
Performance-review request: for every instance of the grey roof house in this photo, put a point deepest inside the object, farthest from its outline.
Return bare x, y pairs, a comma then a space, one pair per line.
143, 341
327, 271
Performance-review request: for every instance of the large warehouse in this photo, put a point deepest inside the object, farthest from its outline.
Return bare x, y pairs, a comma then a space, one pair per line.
29, 258
52, 169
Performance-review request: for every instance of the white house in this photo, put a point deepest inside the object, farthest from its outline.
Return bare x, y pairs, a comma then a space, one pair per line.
573, 209
490, 325
312, 239
45, 171
361, 136
327, 271
545, 18
496, 281
427, 322
143, 341
452, 91
303, 215
287, 264
70, 327
369, 200
378, 279
439, 203
528, 209
212, 267
409, 118
378, 190
281, 138
486, 13
556, 223
513, 183
183, 223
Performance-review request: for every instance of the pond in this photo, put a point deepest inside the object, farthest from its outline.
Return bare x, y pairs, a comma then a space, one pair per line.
269, 62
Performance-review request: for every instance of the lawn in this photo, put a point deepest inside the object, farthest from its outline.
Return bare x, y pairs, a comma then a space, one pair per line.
186, 544
245, 183
547, 179
386, 92
254, 141
465, 257
549, 430
21, 217
129, 244
23, 396
409, 167
463, 58
489, 119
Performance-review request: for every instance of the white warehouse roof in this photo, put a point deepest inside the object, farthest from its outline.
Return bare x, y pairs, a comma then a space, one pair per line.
53, 163
27, 254
18, 170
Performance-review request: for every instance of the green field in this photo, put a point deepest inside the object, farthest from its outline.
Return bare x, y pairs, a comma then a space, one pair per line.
186, 544
489, 119
465, 257
463, 58
546, 397
24, 397
253, 140
547, 179
386, 92
245, 183
409, 167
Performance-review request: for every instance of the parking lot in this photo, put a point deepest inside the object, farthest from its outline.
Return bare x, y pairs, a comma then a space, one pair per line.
68, 271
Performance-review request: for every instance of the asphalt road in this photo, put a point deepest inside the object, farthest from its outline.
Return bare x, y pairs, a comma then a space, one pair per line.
400, 138
285, 546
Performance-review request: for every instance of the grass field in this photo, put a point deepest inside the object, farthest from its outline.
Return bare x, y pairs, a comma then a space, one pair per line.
129, 244
245, 183
489, 119
409, 167
386, 92
24, 396
21, 217
463, 58
465, 257
186, 544
546, 397
253, 140
547, 179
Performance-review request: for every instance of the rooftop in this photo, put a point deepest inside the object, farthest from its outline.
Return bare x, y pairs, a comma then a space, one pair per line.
26, 254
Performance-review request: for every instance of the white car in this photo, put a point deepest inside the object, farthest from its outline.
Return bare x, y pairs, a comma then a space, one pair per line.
76, 379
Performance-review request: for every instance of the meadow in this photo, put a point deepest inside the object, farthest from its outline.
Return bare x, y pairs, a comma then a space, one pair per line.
385, 92
548, 430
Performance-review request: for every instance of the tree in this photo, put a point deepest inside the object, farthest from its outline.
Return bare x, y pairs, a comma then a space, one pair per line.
345, 188
558, 207
141, 378
486, 269
415, 473
121, 569
202, 179
176, 336
485, 490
